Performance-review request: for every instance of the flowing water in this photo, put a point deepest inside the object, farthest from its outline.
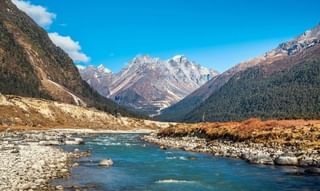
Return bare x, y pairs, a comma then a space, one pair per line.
142, 166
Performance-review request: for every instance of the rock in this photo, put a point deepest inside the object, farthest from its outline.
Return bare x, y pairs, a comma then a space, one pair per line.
40, 181
75, 141
285, 159
26, 186
106, 163
245, 156
192, 158
35, 164
49, 143
261, 159
306, 162
59, 187
64, 170
15, 151
80, 141
163, 147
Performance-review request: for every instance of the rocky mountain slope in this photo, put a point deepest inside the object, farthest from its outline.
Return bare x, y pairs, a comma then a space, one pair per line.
235, 94
148, 84
31, 65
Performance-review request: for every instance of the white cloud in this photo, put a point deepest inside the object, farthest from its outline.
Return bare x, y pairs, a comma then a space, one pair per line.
81, 67
38, 13
70, 46
44, 18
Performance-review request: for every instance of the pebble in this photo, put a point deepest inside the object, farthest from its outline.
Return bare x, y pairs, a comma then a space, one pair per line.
31, 160
254, 153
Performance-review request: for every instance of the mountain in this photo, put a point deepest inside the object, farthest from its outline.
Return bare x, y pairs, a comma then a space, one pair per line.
149, 84
31, 65
98, 78
282, 83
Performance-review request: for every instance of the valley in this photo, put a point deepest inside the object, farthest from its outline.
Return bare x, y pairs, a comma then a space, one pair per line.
68, 122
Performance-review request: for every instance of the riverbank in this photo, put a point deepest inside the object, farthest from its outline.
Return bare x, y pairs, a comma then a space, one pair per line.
30, 160
291, 143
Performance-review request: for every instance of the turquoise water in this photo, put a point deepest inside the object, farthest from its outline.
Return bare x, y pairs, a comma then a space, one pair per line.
142, 166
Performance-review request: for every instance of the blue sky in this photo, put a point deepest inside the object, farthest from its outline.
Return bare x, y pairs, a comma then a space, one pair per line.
215, 33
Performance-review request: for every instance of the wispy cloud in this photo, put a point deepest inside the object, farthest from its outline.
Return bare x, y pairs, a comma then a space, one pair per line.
38, 13
70, 46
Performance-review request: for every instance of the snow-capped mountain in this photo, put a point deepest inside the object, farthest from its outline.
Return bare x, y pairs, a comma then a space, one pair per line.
149, 84
98, 78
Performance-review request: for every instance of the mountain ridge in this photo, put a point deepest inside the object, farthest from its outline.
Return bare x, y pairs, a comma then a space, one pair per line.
149, 84
285, 51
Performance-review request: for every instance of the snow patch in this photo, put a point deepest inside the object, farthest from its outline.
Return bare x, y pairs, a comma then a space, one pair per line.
76, 99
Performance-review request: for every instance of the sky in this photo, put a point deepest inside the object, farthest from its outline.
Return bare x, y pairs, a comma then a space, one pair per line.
217, 34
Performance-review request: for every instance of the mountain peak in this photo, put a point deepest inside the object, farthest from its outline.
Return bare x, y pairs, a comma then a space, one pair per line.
306, 40
103, 69
179, 58
144, 59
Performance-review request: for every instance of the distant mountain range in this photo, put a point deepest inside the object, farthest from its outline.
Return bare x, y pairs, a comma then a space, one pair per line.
282, 83
148, 84
31, 65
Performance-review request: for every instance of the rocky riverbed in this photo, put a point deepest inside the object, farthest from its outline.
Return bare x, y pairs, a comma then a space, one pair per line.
30, 159
255, 153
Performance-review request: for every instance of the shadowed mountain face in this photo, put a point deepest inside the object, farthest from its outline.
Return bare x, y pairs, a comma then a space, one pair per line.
282, 83
149, 84
31, 65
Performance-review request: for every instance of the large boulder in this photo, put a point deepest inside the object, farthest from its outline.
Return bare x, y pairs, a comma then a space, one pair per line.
306, 161
261, 159
287, 159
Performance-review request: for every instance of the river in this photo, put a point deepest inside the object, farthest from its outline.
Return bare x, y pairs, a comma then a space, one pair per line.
142, 166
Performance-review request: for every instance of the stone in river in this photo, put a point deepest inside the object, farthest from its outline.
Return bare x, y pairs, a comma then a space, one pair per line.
261, 159
106, 163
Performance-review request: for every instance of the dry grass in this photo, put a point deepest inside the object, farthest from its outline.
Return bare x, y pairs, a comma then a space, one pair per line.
299, 133
21, 113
